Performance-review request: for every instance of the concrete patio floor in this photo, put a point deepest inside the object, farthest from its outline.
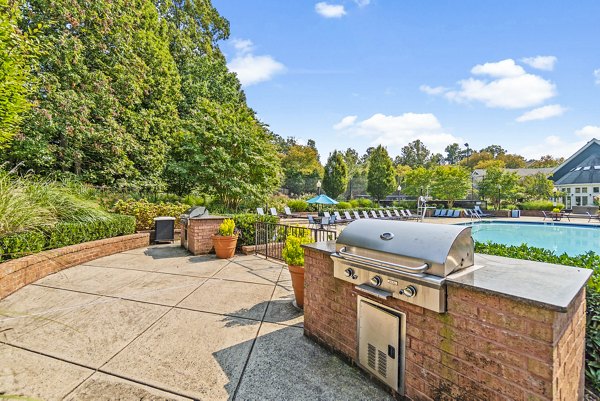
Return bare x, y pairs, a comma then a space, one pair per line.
157, 323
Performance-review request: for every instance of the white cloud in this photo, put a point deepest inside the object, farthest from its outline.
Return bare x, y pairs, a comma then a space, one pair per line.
500, 69
252, 69
589, 132
362, 3
597, 76
345, 122
509, 87
545, 63
397, 131
542, 113
243, 45
437, 90
561, 147
327, 10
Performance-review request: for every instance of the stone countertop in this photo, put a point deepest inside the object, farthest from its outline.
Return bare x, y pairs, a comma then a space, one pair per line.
544, 285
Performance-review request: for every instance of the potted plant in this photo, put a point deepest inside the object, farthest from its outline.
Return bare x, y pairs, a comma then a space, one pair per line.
226, 240
293, 255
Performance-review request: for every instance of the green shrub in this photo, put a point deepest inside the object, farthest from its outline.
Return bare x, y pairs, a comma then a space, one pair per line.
194, 200
363, 202
227, 228
589, 261
344, 205
406, 204
245, 223
297, 205
22, 244
355, 203
540, 205
145, 212
293, 253
64, 234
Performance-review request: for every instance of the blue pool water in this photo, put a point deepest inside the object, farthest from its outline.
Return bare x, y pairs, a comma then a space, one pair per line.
560, 238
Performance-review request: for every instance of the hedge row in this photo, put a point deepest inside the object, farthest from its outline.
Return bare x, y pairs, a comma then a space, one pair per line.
14, 246
588, 260
145, 212
245, 223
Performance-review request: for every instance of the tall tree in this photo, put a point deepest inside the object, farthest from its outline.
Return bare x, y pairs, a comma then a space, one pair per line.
512, 160
415, 154
498, 184
335, 179
546, 161
494, 150
356, 169
450, 183
454, 153
381, 176
302, 169
537, 186
418, 181
106, 105
18, 50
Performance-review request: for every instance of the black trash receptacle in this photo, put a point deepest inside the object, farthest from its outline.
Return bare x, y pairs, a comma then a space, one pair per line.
164, 229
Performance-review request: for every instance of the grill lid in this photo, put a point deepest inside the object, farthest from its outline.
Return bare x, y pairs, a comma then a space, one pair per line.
195, 212
444, 248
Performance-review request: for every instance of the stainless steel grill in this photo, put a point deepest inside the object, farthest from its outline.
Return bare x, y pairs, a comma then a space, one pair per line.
403, 260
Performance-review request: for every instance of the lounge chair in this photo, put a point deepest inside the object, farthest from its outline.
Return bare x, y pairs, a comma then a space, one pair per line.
456, 213
274, 212
437, 212
390, 216
339, 218
410, 216
365, 214
356, 215
326, 214
397, 214
382, 215
312, 223
288, 213
260, 211
347, 216
374, 215
481, 213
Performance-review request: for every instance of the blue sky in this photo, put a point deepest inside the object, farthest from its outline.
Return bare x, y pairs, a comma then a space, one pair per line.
355, 73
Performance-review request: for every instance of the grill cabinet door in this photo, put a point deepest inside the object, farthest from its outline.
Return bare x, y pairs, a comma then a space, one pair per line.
378, 342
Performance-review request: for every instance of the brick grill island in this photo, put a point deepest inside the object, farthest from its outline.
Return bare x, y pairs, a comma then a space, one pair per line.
196, 235
512, 329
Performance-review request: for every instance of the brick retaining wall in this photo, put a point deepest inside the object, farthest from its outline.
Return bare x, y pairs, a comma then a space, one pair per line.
17, 273
485, 347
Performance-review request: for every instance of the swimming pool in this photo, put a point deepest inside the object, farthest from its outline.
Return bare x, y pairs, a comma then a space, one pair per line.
560, 238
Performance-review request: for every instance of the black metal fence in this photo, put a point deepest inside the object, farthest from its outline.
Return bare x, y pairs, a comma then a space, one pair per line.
270, 237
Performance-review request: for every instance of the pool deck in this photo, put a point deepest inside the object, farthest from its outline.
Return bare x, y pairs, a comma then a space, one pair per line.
157, 323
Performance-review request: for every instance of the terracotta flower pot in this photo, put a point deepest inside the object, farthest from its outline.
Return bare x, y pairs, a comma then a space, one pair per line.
224, 246
297, 273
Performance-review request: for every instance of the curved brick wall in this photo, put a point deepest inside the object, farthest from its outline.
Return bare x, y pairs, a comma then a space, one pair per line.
18, 273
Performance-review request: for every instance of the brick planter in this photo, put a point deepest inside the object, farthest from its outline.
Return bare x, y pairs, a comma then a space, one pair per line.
17, 273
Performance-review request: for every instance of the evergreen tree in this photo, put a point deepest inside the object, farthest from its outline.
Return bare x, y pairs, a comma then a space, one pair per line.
335, 179
17, 52
381, 176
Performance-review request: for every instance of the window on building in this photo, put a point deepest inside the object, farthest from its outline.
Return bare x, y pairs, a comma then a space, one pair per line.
596, 189
584, 200
584, 190
577, 190
568, 190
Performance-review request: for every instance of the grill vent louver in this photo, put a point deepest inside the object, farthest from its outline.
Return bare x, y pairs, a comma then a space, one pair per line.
382, 363
371, 356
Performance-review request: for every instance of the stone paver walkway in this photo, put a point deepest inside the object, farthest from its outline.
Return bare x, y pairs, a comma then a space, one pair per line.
157, 323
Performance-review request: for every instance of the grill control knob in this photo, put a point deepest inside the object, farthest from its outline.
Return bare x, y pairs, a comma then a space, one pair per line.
376, 281
349, 272
410, 291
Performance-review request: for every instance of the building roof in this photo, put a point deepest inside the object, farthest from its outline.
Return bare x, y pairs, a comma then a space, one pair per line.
586, 172
584, 157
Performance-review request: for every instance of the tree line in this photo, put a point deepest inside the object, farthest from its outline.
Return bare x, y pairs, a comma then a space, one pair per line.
416, 171
129, 94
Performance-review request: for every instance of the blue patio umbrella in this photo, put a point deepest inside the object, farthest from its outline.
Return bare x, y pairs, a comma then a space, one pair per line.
322, 200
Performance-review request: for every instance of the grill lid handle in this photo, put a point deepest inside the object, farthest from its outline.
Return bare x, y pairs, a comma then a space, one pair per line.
380, 263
